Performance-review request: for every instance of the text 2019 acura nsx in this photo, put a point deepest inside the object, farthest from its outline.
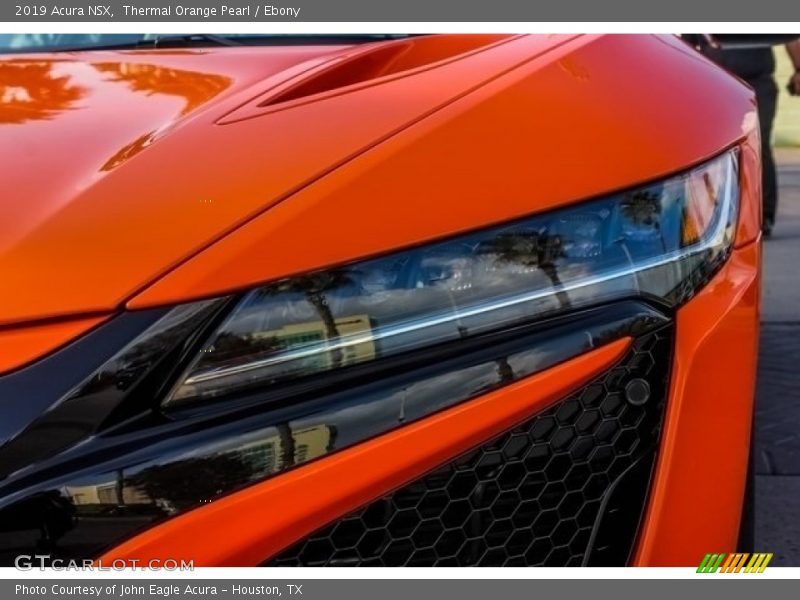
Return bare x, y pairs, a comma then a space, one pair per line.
375, 300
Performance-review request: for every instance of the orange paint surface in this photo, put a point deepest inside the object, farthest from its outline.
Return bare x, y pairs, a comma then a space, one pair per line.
119, 170
696, 499
547, 134
137, 179
21, 345
148, 199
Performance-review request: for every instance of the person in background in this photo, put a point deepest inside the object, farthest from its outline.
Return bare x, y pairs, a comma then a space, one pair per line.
755, 64
793, 48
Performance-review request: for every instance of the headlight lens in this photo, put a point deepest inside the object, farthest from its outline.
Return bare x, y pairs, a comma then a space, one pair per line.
660, 241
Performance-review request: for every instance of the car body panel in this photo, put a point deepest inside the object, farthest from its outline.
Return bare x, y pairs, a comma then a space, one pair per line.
173, 197
210, 188
192, 183
542, 136
21, 345
699, 483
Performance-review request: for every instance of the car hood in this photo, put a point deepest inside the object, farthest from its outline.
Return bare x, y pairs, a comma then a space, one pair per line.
116, 166
68, 123
133, 179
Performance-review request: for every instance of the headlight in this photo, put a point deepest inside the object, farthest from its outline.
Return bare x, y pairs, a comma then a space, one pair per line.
659, 242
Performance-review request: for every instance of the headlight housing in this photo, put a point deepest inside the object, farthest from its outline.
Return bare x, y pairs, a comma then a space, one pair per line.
658, 242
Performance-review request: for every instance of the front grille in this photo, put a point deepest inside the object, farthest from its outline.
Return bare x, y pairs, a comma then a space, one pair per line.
542, 494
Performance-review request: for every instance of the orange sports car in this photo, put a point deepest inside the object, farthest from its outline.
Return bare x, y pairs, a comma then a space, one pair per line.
375, 300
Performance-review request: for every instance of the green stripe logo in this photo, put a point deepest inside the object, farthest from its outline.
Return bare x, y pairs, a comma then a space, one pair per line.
710, 563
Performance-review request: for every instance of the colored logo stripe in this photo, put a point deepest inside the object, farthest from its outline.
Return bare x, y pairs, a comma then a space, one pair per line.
711, 563
734, 563
758, 563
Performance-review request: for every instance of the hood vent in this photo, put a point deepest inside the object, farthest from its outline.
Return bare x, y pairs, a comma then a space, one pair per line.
366, 65
349, 71
382, 60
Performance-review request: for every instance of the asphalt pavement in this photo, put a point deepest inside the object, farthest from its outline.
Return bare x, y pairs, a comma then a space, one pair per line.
778, 391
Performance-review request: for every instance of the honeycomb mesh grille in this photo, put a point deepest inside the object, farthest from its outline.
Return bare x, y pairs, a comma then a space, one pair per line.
529, 497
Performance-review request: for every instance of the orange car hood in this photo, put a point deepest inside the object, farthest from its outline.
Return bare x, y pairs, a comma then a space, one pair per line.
144, 178
115, 168
69, 123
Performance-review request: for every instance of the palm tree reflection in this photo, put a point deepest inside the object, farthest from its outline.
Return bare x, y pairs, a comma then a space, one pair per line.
532, 250
314, 287
193, 87
642, 209
32, 91
505, 372
126, 152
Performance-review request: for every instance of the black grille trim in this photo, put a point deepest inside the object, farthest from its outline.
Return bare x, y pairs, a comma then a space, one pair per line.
538, 495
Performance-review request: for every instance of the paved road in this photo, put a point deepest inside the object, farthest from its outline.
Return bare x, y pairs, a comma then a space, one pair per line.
778, 394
